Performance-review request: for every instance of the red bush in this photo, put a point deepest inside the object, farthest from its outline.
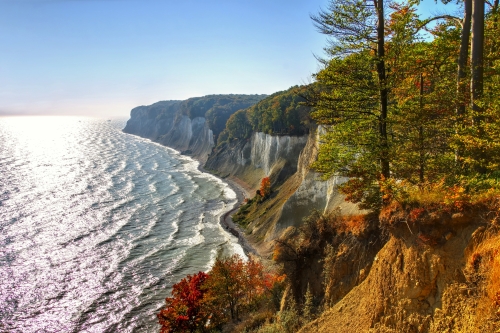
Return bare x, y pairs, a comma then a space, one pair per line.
185, 310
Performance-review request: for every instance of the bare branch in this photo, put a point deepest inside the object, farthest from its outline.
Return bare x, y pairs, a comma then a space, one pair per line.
440, 17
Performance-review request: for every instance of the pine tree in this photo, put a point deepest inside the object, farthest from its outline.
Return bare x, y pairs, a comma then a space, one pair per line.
308, 310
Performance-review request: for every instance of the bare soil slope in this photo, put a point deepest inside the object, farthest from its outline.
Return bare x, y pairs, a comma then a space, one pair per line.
415, 285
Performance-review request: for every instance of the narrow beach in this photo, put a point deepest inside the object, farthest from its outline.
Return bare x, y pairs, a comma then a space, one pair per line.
226, 220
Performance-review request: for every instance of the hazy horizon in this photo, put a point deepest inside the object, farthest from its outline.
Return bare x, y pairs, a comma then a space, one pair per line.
104, 57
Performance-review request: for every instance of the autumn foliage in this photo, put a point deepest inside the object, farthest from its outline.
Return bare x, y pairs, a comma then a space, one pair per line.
205, 301
265, 187
413, 109
185, 311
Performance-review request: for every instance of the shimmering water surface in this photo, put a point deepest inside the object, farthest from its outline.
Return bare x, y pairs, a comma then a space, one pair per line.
96, 225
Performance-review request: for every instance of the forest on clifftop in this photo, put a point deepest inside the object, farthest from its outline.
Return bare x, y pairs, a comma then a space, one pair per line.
409, 112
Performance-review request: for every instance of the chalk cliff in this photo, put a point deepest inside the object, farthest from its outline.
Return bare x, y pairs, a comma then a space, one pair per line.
261, 156
190, 126
298, 190
284, 158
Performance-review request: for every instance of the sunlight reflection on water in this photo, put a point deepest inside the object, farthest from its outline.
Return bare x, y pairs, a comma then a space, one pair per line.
96, 225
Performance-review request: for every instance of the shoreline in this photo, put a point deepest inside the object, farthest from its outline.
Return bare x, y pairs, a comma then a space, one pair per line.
226, 220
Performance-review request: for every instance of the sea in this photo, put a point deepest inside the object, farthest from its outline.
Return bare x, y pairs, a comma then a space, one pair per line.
97, 225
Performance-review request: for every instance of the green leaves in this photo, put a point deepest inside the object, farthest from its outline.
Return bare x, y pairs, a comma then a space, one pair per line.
282, 113
421, 134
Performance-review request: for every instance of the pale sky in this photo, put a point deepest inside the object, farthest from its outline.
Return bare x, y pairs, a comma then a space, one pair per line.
104, 57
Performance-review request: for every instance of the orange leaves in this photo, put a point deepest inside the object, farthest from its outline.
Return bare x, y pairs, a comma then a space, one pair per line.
239, 285
205, 301
185, 310
265, 187
496, 300
457, 198
353, 189
416, 213
355, 224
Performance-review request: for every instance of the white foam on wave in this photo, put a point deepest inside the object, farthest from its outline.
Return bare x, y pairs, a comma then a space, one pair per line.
189, 165
231, 242
175, 226
155, 166
211, 262
191, 241
234, 246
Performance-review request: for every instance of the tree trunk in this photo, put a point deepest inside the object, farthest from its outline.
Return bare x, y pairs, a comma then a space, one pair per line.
462, 58
477, 62
461, 69
384, 144
421, 135
494, 43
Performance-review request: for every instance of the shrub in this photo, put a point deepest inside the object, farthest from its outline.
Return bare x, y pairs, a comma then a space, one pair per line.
289, 319
205, 301
265, 188
185, 311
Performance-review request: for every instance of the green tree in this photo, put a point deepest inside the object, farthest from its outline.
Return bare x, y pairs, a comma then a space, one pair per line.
358, 26
238, 127
347, 104
423, 98
308, 311
353, 97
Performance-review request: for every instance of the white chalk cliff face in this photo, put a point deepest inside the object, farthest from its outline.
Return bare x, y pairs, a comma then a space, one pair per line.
184, 125
144, 122
262, 156
267, 150
287, 161
190, 136
312, 193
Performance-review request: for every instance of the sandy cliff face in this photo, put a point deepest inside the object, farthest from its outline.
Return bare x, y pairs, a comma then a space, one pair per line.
414, 286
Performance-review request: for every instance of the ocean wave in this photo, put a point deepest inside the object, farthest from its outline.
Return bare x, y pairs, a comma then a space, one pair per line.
96, 230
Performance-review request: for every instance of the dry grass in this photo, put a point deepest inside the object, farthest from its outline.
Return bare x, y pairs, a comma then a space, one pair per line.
427, 194
437, 194
252, 322
483, 271
489, 252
